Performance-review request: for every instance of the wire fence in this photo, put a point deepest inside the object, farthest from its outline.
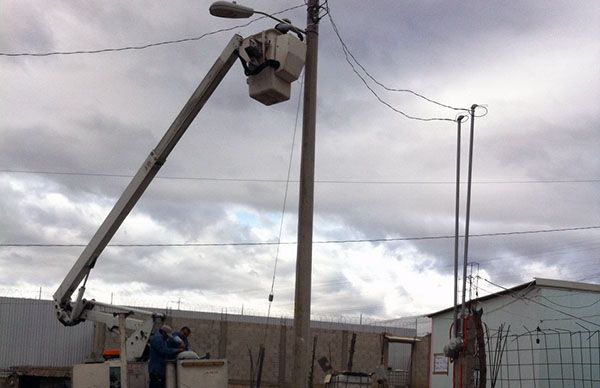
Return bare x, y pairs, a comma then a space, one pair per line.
544, 358
420, 324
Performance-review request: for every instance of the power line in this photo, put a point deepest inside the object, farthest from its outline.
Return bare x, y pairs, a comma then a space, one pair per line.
515, 295
570, 306
284, 204
349, 241
350, 57
324, 181
570, 248
145, 46
380, 83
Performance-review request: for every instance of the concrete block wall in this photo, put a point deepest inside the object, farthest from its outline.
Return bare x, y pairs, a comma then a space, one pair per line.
420, 363
235, 339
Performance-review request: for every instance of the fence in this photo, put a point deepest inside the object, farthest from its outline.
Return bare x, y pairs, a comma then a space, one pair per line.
543, 358
350, 321
398, 378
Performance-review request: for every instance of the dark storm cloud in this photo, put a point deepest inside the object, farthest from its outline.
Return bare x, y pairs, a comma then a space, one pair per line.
104, 113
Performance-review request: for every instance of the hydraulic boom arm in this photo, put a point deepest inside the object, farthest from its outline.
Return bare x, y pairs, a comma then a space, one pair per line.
271, 60
72, 312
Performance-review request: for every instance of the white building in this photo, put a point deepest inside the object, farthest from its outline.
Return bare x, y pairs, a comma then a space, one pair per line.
545, 333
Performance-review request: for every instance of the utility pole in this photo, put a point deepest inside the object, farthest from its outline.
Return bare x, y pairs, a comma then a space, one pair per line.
457, 225
305, 211
464, 365
468, 216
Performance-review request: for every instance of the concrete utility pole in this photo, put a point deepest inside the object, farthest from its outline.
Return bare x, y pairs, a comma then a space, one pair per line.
305, 211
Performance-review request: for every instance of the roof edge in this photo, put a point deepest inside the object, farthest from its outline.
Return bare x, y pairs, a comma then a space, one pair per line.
539, 282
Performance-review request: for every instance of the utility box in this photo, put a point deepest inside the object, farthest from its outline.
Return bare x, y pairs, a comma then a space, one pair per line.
190, 373
108, 374
278, 60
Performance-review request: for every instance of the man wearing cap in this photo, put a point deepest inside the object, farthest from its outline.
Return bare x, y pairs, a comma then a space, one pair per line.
159, 353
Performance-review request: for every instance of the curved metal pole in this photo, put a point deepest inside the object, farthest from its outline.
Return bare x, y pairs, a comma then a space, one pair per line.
468, 217
456, 224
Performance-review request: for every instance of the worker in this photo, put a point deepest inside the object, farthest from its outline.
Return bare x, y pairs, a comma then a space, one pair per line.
180, 338
159, 353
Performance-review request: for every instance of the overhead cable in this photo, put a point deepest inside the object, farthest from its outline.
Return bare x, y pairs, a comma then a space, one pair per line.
350, 58
523, 297
322, 181
284, 204
259, 243
145, 46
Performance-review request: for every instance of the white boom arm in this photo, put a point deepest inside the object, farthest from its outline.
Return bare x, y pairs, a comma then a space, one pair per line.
72, 312
271, 60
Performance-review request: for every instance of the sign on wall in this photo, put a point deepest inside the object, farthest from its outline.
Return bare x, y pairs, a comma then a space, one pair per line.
440, 364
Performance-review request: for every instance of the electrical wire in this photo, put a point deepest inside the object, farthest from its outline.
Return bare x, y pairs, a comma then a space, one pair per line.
524, 292
568, 319
285, 196
486, 110
145, 46
336, 30
349, 241
512, 293
382, 101
323, 181
570, 306
348, 55
570, 248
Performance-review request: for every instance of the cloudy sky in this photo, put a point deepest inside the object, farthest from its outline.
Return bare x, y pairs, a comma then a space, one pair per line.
75, 128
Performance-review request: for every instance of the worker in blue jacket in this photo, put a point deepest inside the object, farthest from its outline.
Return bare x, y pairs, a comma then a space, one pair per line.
160, 351
180, 338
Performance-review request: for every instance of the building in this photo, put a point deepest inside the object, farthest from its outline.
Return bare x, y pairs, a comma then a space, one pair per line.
35, 348
544, 333
37, 351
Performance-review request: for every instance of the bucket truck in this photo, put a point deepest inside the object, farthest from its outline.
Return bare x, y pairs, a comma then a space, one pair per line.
272, 60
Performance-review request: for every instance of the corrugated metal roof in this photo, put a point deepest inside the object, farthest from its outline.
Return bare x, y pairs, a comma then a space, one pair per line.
31, 335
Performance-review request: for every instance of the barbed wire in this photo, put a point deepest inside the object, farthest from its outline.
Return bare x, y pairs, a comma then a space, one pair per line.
17, 296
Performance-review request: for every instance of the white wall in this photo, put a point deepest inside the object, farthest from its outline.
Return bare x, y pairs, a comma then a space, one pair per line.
554, 311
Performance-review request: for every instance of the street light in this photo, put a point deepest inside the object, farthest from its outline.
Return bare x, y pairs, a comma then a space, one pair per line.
225, 9
307, 178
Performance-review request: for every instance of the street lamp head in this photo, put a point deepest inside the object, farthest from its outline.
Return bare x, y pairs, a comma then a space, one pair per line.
232, 10
225, 9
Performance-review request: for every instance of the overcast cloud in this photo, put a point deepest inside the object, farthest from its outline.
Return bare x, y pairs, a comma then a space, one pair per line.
75, 127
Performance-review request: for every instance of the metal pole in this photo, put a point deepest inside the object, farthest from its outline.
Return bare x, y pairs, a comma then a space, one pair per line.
305, 211
456, 224
468, 217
